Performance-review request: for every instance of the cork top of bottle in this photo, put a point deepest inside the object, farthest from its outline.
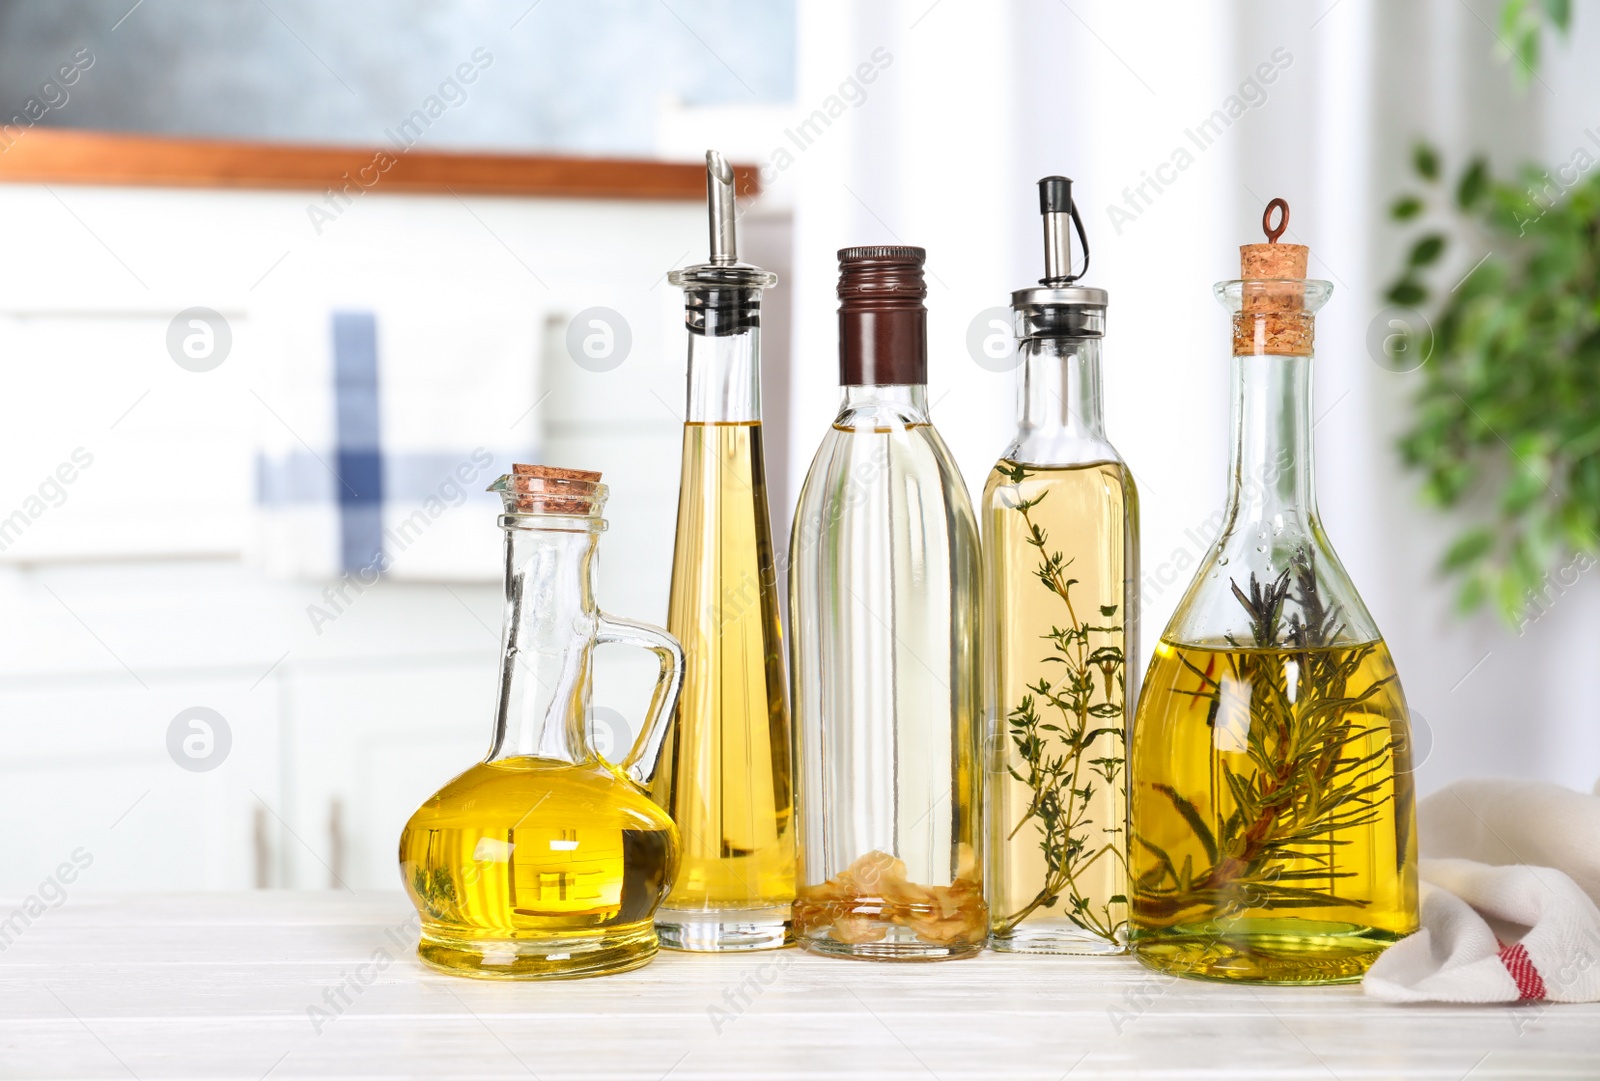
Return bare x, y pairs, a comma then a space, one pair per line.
1272, 260
548, 489
556, 473
1275, 301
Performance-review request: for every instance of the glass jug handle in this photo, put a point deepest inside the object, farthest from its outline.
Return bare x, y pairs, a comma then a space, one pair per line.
640, 765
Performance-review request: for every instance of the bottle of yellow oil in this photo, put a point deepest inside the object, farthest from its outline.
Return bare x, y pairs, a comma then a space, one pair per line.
726, 774
545, 860
1061, 542
1272, 822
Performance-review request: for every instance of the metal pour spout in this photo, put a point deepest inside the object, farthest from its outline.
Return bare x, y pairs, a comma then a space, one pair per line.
1055, 200
1060, 219
720, 207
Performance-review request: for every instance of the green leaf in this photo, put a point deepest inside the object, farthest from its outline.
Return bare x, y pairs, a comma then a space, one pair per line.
1405, 208
1406, 293
1191, 815
1426, 161
1559, 13
1473, 185
1426, 250
1468, 548
1108, 610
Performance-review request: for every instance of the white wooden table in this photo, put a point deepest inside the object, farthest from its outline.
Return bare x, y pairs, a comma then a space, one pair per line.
301, 985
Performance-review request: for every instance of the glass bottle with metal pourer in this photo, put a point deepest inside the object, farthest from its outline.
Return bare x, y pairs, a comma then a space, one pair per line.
726, 775
1273, 838
1060, 517
883, 600
545, 860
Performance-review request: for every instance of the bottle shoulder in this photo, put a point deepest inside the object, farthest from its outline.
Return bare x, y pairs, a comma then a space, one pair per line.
904, 473
1061, 448
1270, 583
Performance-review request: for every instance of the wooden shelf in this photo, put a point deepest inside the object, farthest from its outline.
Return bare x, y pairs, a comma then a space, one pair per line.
60, 156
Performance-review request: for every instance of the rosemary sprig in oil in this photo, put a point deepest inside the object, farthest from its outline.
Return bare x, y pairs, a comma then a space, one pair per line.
1287, 703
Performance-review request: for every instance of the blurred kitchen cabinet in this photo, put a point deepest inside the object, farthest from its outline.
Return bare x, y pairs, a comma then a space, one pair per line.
156, 788
129, 592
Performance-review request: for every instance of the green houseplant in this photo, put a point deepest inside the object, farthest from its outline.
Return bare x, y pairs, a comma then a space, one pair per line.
1506, 426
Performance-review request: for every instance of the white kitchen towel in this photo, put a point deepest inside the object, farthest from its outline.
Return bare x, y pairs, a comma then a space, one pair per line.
386, 424
1510, 884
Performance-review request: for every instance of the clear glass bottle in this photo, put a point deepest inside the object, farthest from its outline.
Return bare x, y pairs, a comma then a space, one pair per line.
883, 602
726, 775
545, 860
1060, 518
1273, 830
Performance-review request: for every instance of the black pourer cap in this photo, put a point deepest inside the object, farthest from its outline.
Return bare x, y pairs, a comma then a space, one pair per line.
1055, 195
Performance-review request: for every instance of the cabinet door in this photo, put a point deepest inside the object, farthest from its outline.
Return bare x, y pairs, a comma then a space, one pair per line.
168, 788
369, 744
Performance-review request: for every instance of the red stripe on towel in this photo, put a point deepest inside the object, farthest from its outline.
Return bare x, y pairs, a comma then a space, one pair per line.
1530, 985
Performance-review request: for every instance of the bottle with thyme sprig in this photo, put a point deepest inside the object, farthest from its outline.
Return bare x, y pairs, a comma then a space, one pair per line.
1060, 516
1271, 807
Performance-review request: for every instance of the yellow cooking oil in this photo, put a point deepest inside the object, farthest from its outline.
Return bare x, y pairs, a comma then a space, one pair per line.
726, 770
1273, 838
1057, 545
533, 867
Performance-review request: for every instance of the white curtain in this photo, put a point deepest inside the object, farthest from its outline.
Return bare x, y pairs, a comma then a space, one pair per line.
1322, 102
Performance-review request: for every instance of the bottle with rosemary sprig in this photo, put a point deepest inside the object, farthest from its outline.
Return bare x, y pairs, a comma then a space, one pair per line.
1271, 806
1060, 518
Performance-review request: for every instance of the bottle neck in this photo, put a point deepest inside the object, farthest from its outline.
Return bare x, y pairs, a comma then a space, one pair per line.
724, 359
1061, 388
1270, 474
882, 405
546, 642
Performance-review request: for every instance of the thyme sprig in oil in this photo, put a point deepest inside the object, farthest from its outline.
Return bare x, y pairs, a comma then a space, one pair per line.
1083, 710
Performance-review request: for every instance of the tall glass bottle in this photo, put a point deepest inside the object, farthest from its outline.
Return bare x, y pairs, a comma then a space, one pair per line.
545, 860
1273, 832
726, 777
1060, 518
884, 600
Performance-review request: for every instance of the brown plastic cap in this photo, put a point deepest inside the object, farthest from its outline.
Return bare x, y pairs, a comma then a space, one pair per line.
883, 323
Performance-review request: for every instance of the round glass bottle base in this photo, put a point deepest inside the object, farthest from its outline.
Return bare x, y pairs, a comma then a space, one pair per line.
725, 930
538, 957
1065, 938
1295, 952
890, 950
875, 939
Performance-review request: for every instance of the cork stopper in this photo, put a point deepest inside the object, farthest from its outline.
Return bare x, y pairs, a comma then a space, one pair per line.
549, 489
555, 472
1272, 318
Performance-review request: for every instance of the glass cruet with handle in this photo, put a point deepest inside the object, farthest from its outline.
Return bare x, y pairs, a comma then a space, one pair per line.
545, 860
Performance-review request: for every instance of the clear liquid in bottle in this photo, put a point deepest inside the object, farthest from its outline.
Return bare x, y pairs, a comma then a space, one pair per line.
884, 584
